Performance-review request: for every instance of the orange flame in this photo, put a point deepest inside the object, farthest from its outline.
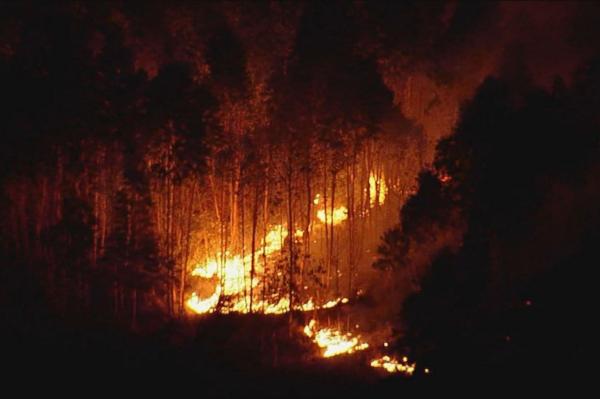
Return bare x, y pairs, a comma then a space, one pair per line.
339, 215
232, 272
392, 365
334, 342
204, 305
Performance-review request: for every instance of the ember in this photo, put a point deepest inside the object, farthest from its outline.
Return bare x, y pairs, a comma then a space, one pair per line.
392, 365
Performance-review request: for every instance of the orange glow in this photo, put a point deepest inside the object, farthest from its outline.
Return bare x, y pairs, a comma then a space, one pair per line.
231, 272
339, 215
205, 305
233, 279
377, 196
391, 365
233, 275
444, 177
334, 342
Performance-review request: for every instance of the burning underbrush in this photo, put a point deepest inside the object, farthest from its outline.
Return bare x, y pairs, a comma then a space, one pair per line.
334, 342
274, 275
273, 341
268, 306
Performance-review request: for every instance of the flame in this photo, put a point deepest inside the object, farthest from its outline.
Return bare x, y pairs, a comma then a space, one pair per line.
236, 272
206, 271
339, 215
392, 365
232, 272
204, 305
333, 303
334, 342
233, 276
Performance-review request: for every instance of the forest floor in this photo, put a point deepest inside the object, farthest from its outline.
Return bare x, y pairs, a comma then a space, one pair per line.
221, 356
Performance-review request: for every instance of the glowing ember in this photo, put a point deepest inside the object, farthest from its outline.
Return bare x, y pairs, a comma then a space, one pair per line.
334, 342
391, 365
339, 215
444, 177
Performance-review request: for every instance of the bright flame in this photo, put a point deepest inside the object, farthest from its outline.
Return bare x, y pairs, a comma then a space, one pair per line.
233, 275
232, 272
339, 215
391, 365
206, 271
204, 305
333, 303
334, 342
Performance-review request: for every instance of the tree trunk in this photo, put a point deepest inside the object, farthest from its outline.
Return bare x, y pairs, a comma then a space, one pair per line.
291, 233
306, 235
186, 256
243, 241
326, 223
253, 249
265, 227
331, 240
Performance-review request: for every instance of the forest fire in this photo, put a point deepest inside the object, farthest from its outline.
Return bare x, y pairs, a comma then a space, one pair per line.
234, 271
333, 342
308, 198
233, 275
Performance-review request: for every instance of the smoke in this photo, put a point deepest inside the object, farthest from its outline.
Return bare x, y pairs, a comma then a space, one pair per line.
433, 71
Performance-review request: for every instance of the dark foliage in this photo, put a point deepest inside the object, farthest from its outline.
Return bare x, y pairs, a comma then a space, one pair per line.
481, 307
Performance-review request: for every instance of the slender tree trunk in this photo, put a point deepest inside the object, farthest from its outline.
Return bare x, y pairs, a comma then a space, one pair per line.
326, 225
349, 201
331, 240
243, 247
186, 257
265, 227
253, 249
170, 245
306, 237
291, 233
235, 183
